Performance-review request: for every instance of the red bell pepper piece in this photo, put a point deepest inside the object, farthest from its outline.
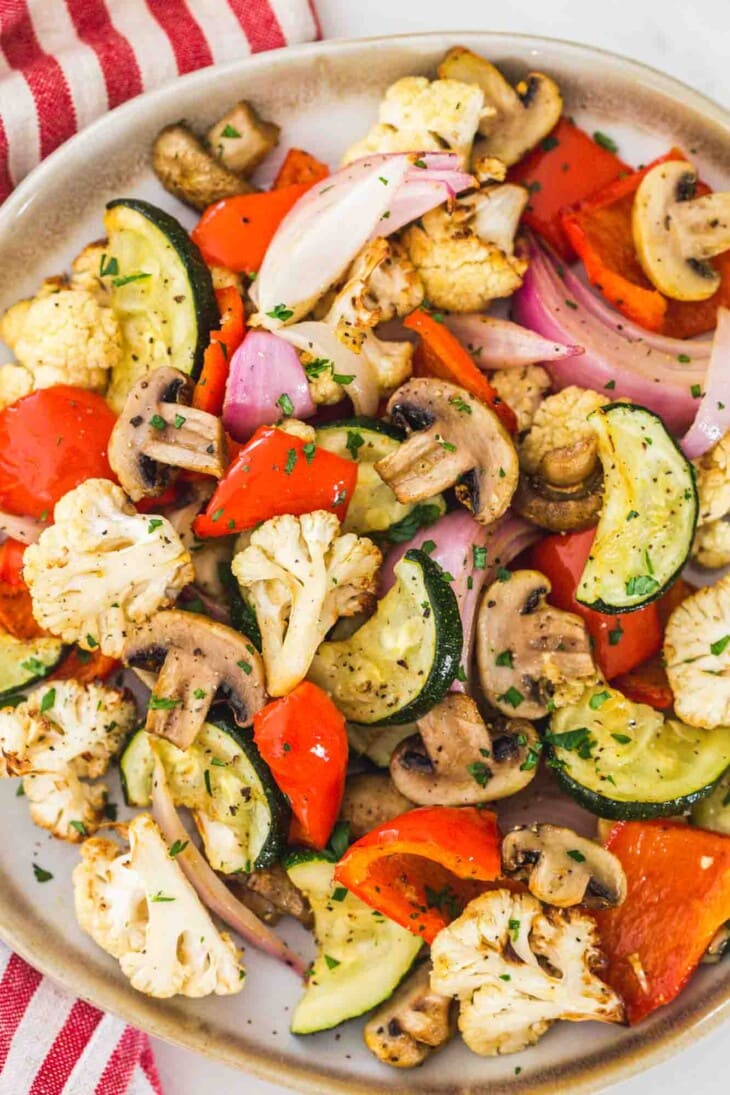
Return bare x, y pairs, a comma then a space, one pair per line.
300, 167
11, 562
620, 643
599, 228
420, 869
303, 740
236, 232
678, 896
210, 390
16, 612
277, 473
566, 167
85, 666
648, 683
441, 354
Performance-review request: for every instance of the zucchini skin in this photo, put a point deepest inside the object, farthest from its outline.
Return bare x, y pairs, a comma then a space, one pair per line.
31, 681
198, 274
449, 639
365, 422
617, 810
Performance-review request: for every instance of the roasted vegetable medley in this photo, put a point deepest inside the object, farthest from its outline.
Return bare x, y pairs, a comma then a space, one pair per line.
346, 516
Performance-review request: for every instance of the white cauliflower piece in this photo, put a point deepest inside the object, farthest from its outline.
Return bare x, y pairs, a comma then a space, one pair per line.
421, 115
699, 678
713, 482
560, 421
523, 390
102, 566
464, 251
139, 907
64, 336
516, 966
711, 547
223, 278
301, 576
86, 272
15, 382
64, 734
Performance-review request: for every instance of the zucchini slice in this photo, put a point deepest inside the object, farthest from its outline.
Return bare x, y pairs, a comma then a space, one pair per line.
24, 662
378, 743
402, 661
240, 813
161, 292
624, 760
713, 812
649, 513
361, 955
373, 506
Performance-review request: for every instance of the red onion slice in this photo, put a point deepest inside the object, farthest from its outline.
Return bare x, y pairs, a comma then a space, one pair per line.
25, 529
500, 344
713, 415
206, 883
263, 369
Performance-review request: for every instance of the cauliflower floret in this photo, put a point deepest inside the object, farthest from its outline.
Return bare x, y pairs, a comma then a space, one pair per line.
64, 337
87, 272
464, 251
711, 547
560, 421
699, 677
62, 735
102, 566
713, 482
139, 907
420, 115
301, 577
523, 390
15, 382
393, 284
516, 966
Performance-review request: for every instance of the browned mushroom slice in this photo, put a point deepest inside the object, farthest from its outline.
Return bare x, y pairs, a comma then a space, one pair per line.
530, 655
566, 494
521, 115
197, 661
188, 171
158, 433
241, 140
454, 439
413, 1023
562, 868
271, 894
719, 946
456, 759
370, 800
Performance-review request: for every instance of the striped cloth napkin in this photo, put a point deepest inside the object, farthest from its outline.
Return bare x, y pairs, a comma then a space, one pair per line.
62, 64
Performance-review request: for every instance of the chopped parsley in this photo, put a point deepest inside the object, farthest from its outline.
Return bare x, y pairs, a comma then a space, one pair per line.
632, 515
504, 658
160, 896
610, 385
179, 421
479, 772
281, 312
445, 900
40, 874
33, 665
641, 585
696, 391
206, 778
622, 739
177, 847
604, 141
532, 758
514, 929
719, 645
285, 404
512, 696
422, 514
153, 523
230, 131
332, 963
355, 441
343, 378
547, 144
309, 450
461, 404
48, 701
317, 367
200, 693
91, 642
576, 855
503, 575
615, 635
448, 446
291, 459
578, 741
479, 557
428, 546
684, 359
79, 827
339, 893
339, 841
598, 699
163, 703
158, 422
245, 666
108, 267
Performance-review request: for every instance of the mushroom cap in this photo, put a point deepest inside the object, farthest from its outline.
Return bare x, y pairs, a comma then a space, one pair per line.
658, 245
413, 1023
562, 868
565, 508
370, 800
459, 760
454, 438
198, 661
528, 652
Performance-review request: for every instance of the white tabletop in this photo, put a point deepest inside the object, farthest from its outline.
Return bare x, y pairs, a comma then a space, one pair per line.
685, 40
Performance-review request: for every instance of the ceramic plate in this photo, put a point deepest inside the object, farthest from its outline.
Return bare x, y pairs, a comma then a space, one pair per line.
323, 96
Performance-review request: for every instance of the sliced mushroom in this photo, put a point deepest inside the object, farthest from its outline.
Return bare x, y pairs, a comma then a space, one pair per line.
523, 114
719, 946
457, 759
567, 491
241, 140
370, 800
188, 171
675, 234
211, 558
197, 661
413, 1023
453, 439
158, 432
272, 893
562, 868
530, 655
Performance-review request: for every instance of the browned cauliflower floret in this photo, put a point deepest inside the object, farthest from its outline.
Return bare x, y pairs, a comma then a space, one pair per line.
523, 390
711, 547
697, 656
464, 251
560, 421
420, 115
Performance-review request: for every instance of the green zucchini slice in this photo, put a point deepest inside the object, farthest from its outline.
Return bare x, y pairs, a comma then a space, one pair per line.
161, 292
713, 812
378, 743
625, 760
373, 506
649, 513
241, 814
361, 955
24, 662
402, 661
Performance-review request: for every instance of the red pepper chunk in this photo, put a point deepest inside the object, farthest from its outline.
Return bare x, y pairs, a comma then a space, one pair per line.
420, 869
210, 389
236, 232
678, 896
276, 473
303, 740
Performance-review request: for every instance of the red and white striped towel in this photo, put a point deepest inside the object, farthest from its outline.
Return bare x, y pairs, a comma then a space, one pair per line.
63, 63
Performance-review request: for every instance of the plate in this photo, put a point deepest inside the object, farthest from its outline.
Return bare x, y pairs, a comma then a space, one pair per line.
324, 96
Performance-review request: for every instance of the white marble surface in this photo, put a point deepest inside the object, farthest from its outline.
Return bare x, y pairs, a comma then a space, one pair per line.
686, 40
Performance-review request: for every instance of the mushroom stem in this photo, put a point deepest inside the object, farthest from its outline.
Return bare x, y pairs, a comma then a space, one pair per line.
702, 225
191, 439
